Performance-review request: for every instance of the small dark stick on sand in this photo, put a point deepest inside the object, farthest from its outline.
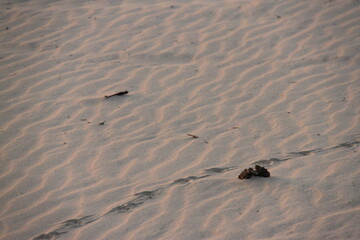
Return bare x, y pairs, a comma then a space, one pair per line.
102, 123
194, 136
116, 94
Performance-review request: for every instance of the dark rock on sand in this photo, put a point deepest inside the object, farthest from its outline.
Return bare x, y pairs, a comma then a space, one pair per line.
246, 174
259, 172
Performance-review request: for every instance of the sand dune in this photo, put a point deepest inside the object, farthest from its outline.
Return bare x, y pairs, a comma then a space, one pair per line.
274, 83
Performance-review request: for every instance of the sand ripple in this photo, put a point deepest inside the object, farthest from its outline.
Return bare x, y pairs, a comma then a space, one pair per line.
274, 83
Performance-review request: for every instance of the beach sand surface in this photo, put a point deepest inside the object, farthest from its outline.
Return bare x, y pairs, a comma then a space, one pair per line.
268, 82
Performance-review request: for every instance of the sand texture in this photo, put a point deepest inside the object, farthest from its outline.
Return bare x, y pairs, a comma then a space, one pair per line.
268, 82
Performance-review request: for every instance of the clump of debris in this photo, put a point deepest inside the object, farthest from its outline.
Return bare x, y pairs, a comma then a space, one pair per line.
258, 172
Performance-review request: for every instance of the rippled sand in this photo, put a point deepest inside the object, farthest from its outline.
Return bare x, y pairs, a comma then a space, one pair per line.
268, 82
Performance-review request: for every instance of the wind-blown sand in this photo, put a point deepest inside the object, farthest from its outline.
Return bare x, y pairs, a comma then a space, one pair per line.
268, 82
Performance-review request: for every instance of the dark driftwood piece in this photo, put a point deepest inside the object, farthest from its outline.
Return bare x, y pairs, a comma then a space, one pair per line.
259, 172
117, 94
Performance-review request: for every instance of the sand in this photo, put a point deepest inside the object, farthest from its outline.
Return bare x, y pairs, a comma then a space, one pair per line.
268, 82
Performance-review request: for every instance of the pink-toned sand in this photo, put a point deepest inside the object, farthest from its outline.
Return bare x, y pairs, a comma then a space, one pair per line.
268, 82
